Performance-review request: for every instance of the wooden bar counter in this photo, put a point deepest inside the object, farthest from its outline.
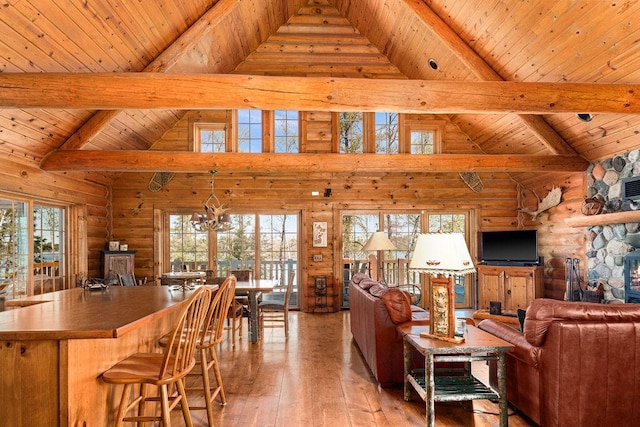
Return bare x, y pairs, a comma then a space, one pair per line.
54, 347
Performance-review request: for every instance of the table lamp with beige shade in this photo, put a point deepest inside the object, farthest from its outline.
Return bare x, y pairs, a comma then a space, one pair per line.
379, 242
443, 256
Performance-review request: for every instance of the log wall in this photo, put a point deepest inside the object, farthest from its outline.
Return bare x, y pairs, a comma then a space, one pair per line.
133, 204
89, 193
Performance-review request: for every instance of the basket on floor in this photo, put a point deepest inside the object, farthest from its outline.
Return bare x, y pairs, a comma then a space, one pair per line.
593, 293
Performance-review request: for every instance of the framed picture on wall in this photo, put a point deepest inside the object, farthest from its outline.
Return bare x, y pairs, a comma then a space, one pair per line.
319, 234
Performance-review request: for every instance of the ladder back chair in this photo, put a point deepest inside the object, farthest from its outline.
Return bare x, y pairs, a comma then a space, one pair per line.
162, 369
211, 336
275, 314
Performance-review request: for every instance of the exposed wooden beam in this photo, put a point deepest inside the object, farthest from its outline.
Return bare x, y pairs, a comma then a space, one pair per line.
163, 62
543, 131
149, 161
108, 91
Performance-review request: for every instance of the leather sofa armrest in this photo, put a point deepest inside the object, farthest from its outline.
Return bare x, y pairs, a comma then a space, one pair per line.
522, 349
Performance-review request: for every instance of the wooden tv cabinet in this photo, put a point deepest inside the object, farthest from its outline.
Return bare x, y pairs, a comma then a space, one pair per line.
513, 286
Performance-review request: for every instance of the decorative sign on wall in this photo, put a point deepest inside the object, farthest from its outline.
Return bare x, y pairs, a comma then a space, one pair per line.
319, 234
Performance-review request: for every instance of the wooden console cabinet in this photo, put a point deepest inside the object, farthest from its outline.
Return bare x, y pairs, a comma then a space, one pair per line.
514, 287
118, 262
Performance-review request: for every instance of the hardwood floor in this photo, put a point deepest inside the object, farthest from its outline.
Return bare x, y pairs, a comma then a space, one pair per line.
318, 378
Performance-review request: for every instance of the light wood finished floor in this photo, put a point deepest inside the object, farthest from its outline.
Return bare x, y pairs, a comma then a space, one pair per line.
318, 378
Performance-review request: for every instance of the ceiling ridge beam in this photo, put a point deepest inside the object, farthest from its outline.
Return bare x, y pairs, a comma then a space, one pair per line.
478, 66
161, 64
184, 161
118, 91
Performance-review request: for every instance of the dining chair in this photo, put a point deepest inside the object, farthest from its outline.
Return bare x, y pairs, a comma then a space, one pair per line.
162, 370
275, 313
234, 316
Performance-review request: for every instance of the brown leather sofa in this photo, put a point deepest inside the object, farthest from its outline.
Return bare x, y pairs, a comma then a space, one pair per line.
375, 332
576, 364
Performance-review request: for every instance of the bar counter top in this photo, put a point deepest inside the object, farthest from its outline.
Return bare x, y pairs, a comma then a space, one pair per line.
80, 314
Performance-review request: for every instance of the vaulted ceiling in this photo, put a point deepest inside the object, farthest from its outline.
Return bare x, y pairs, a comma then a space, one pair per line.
545, 45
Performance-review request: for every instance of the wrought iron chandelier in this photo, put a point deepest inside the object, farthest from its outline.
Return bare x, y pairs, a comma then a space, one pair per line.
215, 217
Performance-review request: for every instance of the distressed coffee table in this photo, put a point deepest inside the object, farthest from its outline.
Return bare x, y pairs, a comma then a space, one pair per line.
460, 384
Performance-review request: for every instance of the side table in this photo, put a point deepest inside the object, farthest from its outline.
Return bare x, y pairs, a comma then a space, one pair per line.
478, 346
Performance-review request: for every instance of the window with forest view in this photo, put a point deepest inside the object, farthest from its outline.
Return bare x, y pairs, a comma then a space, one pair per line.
264, 243
403, 230
31, 268
49, 248
287, 131
386, 130
210, 137
14, 248
350, 132
422, 142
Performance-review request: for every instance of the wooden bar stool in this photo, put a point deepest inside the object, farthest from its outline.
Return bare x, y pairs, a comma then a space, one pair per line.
211, 336
162, 369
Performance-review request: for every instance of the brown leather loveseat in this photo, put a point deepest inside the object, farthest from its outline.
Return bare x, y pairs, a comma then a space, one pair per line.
576, 364
374, 326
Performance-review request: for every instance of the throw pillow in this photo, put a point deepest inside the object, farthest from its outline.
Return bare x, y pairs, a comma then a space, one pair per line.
359, 277
367, 283
378, 290
398, 304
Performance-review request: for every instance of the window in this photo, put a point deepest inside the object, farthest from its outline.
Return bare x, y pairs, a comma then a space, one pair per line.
274, 256
32, 257
402, 228
14, 247
210, 137
188, 248
386, 131
49, 249
350, 132
287, 131
425, 136
236, 248
422, 142
454, 223
249, 131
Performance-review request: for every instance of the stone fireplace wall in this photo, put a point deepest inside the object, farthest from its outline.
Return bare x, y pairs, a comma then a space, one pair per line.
606, 245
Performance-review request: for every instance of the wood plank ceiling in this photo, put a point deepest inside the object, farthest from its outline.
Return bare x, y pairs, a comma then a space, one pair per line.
470, 40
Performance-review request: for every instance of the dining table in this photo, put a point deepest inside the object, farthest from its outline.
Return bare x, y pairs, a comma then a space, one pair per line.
252, 289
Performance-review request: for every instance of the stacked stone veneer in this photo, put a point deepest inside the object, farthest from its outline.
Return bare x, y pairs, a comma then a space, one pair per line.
606, 245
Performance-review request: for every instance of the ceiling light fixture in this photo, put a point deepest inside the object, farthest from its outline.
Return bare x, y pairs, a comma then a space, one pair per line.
215, 218
585, 117
433, 64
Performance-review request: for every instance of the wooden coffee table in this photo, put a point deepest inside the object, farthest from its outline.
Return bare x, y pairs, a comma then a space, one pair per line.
478, 346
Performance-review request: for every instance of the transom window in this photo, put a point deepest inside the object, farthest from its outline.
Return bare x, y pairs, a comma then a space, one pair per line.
210, 137
249, 131
422, 142
350, 132
386, 129
287, 131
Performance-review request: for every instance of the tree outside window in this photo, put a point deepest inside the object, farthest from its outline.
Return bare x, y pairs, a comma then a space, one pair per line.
350, 132
287, 131
210, 137
422, 142
386, 130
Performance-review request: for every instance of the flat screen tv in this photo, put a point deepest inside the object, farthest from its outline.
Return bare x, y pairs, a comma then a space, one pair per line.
514, 247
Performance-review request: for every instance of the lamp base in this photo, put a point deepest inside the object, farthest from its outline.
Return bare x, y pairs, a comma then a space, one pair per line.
455, 340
